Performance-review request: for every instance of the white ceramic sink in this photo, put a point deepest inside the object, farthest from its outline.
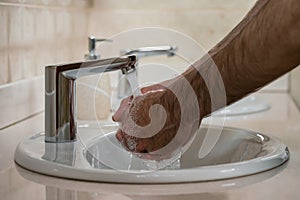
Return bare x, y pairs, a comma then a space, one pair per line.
237, 153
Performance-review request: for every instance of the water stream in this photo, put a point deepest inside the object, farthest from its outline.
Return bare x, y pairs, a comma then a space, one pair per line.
133, 82
150, 164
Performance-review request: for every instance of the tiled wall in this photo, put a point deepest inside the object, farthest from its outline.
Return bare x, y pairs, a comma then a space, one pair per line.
206, 21
35, 33
295, 86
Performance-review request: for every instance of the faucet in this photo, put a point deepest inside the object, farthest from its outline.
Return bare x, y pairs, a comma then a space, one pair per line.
60, 93
124, 88
150, 51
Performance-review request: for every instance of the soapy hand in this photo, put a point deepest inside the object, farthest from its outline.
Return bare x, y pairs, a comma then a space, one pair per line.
149, 121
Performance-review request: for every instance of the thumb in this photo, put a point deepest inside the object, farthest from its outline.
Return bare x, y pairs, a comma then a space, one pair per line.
125, 103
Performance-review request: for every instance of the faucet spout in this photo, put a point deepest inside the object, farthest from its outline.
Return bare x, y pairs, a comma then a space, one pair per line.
169, 50
60, 93
151, 51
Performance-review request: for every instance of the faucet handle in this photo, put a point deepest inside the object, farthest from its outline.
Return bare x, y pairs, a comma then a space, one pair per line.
92, 46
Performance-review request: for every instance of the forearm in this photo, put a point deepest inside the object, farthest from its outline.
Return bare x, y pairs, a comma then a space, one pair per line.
264, 46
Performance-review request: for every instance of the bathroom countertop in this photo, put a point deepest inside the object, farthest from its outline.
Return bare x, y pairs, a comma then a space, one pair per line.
281, 121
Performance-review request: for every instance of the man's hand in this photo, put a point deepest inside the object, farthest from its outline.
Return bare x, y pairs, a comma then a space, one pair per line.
142, 116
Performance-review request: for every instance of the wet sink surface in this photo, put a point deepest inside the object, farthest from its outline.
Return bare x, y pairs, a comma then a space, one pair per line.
237, 153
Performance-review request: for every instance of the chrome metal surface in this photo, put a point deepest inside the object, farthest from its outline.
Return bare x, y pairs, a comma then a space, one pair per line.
92, 48
60, 93
151, 51
124, 88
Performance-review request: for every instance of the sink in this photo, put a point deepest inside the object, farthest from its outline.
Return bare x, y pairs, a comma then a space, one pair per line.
248, 105
237, 153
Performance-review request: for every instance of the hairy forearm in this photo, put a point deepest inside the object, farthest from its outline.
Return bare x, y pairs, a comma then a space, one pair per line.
264, 46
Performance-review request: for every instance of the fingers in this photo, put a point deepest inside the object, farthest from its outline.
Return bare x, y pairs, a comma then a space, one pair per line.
125, 103
131, 143
119, 135
128, 142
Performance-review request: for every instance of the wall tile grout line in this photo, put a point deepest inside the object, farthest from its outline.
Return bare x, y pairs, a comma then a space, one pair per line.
50, 7
21, 120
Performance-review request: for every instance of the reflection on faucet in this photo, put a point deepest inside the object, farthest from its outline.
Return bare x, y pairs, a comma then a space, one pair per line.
124, 87
150, 51
60, 93
63, 153
55, 193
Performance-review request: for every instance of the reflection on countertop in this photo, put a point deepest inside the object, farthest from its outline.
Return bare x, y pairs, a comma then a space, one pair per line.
281, 121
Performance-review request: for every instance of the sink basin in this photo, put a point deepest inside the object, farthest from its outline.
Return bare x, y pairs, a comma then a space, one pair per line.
248, 105
237, 153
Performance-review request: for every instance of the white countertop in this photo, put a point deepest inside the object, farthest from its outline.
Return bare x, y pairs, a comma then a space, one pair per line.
281, 121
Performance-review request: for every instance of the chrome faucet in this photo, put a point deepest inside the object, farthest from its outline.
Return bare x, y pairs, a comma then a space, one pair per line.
60, 93
150, 51
124, 87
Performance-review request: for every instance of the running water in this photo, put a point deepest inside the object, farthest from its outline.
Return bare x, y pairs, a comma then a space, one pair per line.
171, 163
133, 82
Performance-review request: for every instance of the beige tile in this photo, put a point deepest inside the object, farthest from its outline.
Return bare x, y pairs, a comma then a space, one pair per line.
64, 2
18, 101
82, 3
15, 64
79, 24
279, 85
4, 183
34, 2
172, 4
4, 75
107, 24
40, 62
45, 26
21, 188
207, 28
28, 27
44, 57
63, 24
78, 48
47, 2
62, 54
28, 65
15, 27
75, 3
16, 181
4, 25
